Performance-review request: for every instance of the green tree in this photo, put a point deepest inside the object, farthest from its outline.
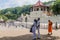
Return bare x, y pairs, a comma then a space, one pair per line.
3, 17
14, 13
11, 16
56, 7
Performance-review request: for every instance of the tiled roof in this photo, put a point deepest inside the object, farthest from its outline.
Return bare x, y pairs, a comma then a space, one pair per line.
39, 3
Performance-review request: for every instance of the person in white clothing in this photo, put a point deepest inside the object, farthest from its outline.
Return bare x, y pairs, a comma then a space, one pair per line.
38, 27
34, 29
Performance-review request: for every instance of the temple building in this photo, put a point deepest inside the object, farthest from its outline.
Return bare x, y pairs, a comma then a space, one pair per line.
39, 8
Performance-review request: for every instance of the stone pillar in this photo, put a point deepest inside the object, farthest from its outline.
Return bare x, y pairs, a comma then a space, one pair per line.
39, 9
33, 8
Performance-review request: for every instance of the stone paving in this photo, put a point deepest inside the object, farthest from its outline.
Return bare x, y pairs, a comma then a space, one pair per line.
24, 34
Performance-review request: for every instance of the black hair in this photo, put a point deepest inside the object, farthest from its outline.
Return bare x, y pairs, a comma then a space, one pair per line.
38, 18
35, 20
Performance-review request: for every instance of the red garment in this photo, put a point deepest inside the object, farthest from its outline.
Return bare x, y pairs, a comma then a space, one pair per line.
50, 27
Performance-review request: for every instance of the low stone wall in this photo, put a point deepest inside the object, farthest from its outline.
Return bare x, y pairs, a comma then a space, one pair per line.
27, 25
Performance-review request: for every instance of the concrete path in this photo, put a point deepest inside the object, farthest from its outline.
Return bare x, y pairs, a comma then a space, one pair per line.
24, 34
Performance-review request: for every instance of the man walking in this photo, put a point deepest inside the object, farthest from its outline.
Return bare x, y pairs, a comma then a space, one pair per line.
38, 27
34, 29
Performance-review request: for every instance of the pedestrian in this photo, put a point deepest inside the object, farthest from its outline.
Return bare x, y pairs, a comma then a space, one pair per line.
50, 27
56, 25
34, 29
38, 27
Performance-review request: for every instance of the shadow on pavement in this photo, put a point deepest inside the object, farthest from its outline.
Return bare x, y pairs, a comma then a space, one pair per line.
29, 37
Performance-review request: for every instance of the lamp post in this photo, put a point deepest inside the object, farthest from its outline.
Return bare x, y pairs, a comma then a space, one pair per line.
26, 21
56, 25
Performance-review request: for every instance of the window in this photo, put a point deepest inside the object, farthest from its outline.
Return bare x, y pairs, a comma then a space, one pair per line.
47, 8
37, 9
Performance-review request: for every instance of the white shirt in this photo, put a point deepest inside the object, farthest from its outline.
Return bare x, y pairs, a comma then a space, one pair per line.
34, 27
38, 23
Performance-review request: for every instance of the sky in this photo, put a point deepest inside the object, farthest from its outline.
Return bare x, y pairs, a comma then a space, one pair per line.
14, 3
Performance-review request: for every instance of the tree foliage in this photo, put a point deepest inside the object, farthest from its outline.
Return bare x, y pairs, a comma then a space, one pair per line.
56, 7
14, 13
3, 17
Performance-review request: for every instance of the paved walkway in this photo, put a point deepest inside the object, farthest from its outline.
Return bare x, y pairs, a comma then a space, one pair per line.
24, 34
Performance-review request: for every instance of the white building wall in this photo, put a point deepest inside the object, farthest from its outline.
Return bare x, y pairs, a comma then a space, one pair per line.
35, 15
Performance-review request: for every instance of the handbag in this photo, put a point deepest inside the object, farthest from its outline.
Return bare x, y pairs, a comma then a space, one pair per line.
31, 28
